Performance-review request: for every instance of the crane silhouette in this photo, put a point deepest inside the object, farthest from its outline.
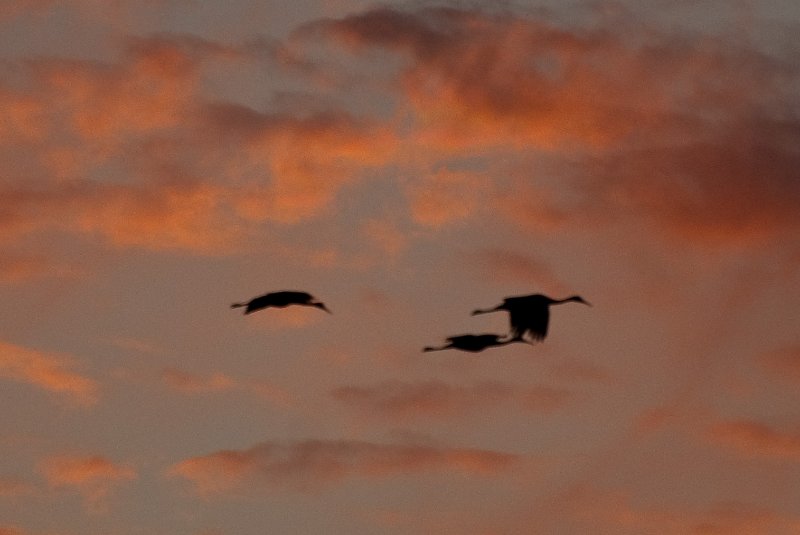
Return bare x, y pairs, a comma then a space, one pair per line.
474, 343
281, 300
529, 313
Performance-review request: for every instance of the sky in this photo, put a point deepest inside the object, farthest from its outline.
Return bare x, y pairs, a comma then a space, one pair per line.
406, 163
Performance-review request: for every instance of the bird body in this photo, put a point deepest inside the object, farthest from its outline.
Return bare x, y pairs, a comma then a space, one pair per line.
529, 313
280, 300
473, 343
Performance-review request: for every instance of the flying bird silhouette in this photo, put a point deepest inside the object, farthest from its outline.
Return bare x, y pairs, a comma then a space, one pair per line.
280, 300
474, 343
529, 313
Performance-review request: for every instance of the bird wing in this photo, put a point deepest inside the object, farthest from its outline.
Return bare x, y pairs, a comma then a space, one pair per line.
291, 296
533, 320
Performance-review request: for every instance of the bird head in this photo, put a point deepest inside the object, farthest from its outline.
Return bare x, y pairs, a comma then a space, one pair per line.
579, 299
322, 307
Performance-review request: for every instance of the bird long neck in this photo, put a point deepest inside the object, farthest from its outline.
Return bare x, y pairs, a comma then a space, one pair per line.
576, 298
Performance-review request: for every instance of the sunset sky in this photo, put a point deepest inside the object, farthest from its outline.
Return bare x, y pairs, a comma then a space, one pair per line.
406, 163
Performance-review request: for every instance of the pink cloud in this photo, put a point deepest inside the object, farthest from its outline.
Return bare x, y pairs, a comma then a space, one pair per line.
446, 197
755, 439
403, 400
619, 513
14, 486
635, 121
313, 463
194, 384
191, 383
94, 477
142, 122
308, 159
507, 266
49, 371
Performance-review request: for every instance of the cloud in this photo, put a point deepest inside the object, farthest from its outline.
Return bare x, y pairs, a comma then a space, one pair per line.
193, 384
638, 123
313, 463
136, 153
402, 400
49, 371
509, 266
477, 78
13, 486
94, 477
736, 191
619, 512
139, 151
755, 439
190, 383
307, 159
15, 268
446, 197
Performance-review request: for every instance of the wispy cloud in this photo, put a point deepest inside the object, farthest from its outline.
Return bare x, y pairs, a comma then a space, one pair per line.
49, 371
94, 477
755, 439
618, 512
191, 383
315, 463
195, 384
508, 266
434, 398
15, 486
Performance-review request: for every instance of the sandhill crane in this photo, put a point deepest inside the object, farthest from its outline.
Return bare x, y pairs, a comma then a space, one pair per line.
280, 300
529, 313
474, 342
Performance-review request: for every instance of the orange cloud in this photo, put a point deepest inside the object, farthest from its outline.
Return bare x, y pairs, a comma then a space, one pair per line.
634, 121
508, 266
129, 152
313, 463
190, 383
152, 87
94, 477
755, 439
217, 382
401, 400
48, 371
620, 514
306, 159
15, 268
447, 197
12, 486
